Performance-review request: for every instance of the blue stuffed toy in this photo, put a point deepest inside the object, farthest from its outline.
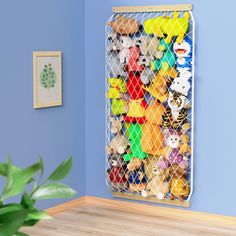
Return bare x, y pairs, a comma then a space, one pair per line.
183, 53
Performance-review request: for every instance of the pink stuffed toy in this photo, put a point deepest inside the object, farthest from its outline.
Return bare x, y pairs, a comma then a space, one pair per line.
134, 60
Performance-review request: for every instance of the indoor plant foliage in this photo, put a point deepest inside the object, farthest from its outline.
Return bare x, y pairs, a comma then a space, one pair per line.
13, 216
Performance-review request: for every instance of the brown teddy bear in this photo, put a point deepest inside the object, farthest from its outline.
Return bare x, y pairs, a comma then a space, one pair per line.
157, 171
135, 175
179, 187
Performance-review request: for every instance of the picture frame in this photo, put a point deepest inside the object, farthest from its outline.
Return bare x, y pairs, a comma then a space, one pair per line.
47, 77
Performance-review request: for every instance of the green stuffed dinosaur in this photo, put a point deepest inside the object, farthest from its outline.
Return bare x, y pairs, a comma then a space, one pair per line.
135, 132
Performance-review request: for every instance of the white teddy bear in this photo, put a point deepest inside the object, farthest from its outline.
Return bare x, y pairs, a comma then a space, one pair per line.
181, 85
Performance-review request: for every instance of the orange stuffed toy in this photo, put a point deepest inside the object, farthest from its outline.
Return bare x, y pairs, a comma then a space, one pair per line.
152, 140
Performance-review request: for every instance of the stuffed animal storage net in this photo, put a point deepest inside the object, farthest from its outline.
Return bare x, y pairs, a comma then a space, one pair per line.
149, 105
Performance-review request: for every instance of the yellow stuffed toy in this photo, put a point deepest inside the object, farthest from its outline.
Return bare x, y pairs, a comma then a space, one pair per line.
117, 86
165, 25
184, 148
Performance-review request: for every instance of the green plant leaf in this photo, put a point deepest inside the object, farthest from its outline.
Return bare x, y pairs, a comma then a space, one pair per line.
10, 208
62, 170
17, 179
53, 190
27, 201
41, 166
38, 215
21, 234
11, 222
9, 179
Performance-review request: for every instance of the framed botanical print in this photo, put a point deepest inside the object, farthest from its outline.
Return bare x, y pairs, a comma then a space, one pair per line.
47, 73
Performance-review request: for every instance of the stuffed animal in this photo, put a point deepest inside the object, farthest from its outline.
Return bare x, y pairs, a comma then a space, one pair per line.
117, 87
136, 103
136, 176
184, 147
157, 185
183, 53
116, 172
126, 43
115, 68
168, 59
119, 142
176, 115
133, 63
135, 133
114, 45
184, 73
124, 26
119, 106
158, 86
181, 85
152, 141
147, 76
179, 187
170, 26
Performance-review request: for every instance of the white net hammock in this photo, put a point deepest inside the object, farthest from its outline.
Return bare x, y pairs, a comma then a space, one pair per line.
149, 104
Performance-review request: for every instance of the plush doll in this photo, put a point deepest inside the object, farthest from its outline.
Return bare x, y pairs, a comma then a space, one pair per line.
133, 63
147, 76
116, 172
179, 187
184, 73
184, 147
136, 176
114, 45
152, 141
168, 59
157, 185
126, 43
181, 85
119, 106
170, 26
115, 68
183, 53
117, 87
176, 115
136, 103
124, 26
158, 86
135, 133
119, 143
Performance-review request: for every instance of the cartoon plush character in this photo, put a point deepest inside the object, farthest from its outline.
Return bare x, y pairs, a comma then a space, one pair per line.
176, 115
135, 133
136, 176
179, 187
157, 185
183, 53
119, 106
114, 67
158, 87
126, 43
124, 26
147, 76
152, 141
184, 73
181, 85
114, 45
119, 143
117, 87
184, 147
168, 59
133, 63
136, 103
116, 172
171, 26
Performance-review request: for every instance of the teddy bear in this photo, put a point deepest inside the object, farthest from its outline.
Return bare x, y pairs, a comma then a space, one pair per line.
152, 141
124, 26
119, 143
126, 43
158, 184
176, 115
135, 175
135, 134
181, 85
179, 187
116, 172
136, 101
158, 88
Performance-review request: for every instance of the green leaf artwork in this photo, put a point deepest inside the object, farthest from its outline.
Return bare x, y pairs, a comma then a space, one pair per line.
48, 77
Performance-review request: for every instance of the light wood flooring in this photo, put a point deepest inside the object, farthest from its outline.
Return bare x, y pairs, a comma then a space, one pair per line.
101, 221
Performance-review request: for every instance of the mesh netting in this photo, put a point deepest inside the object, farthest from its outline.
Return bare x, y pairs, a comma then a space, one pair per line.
149, 104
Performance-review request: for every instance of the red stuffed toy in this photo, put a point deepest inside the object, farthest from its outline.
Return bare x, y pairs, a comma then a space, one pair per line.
133, 60
136, 103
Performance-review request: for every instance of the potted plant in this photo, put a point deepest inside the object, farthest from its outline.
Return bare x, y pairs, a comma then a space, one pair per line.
13, 216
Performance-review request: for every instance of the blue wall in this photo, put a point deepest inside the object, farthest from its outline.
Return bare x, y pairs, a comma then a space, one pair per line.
215, 160
55, 133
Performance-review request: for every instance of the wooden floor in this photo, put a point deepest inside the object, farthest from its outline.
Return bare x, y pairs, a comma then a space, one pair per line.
100, 221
